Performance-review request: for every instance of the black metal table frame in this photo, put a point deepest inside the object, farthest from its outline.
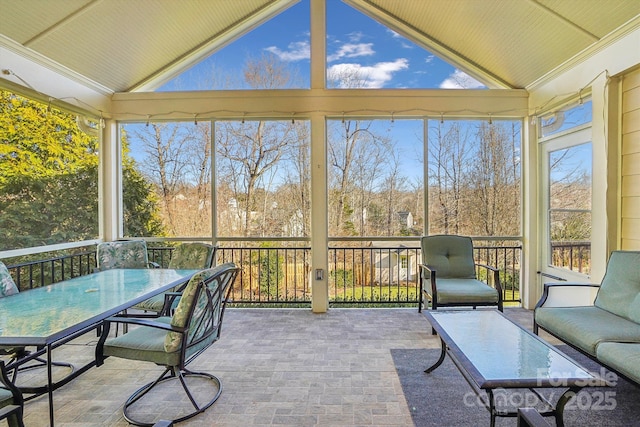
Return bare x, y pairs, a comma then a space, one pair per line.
47, 344
478, 383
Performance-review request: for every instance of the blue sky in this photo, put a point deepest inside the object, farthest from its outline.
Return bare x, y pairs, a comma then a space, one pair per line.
354, 42
383, 58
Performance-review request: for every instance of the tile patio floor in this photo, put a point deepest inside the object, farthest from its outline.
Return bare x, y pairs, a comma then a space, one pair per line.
278, 367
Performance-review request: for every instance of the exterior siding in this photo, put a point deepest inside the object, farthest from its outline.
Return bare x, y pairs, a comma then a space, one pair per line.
630, 162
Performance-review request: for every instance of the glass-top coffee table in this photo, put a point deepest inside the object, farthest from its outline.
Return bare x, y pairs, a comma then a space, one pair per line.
492, 352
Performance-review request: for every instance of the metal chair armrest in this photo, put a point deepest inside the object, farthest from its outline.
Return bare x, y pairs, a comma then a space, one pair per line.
140, 321
169, 298
496, 281
427, 272
567, 295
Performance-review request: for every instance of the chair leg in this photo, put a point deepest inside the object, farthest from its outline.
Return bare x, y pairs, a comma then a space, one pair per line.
168, 374
36, 391
13, 414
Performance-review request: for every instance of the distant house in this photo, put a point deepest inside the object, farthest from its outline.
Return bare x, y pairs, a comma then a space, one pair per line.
406, 219
395, 261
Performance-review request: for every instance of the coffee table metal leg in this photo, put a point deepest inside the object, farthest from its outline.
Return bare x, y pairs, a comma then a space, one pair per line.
443, 353
492, 407
562, 401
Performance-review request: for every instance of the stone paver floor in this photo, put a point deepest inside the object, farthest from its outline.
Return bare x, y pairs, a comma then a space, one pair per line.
284, 367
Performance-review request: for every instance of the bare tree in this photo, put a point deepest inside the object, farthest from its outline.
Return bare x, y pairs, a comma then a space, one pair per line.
175, 158
253, 156
448, 159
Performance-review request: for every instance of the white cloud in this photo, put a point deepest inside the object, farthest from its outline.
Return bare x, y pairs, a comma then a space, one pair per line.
352, 50
371, 77
460, 80
355, 37
393, 33
296, 51
429, 59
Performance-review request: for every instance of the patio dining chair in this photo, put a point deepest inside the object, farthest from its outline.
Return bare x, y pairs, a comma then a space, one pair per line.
449, 269
16, 353
11, 402
189, 256
123, 254
174, 342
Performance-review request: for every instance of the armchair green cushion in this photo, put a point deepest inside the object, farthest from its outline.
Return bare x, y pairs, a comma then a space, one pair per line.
586, 327
11, 400
619, 291
448, 275
621, 356
451, 291
450, 256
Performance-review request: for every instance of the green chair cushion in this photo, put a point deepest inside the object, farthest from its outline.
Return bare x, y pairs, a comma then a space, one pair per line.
586, 327
451, 256
143, 343
192, 256
619, 292
181, 314
155, 303
7, 285
125, 254
6, 398
623, 357
452, 291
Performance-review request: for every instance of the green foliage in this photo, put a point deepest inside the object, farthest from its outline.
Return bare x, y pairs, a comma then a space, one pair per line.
342, 278
270, 274
141, 213
49, 179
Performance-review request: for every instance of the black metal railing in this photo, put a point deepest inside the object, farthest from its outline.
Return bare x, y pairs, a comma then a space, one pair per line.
375, 274
574, 256
43, 272
370, 275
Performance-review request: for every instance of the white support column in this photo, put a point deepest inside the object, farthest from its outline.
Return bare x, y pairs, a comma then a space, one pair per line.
318, 53
110, 184
530, 282
319, 218
319, 208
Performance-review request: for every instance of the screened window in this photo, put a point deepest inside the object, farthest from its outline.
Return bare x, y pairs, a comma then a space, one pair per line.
263, 178
568, 177
375, 177
475, 177
48, 175
166, 170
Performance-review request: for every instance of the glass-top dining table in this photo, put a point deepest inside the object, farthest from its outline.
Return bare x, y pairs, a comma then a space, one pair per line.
50, 316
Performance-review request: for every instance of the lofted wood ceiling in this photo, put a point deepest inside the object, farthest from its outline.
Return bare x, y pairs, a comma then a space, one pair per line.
130, 45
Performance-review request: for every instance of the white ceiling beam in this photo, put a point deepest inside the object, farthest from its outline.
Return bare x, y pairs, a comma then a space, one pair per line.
564, 20
48, 81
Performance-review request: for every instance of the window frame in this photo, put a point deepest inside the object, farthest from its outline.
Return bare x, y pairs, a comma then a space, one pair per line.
573, 137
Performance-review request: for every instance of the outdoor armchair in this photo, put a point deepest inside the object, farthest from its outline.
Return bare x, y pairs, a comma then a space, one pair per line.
189, 256
174, 342
11, 402
448, 275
